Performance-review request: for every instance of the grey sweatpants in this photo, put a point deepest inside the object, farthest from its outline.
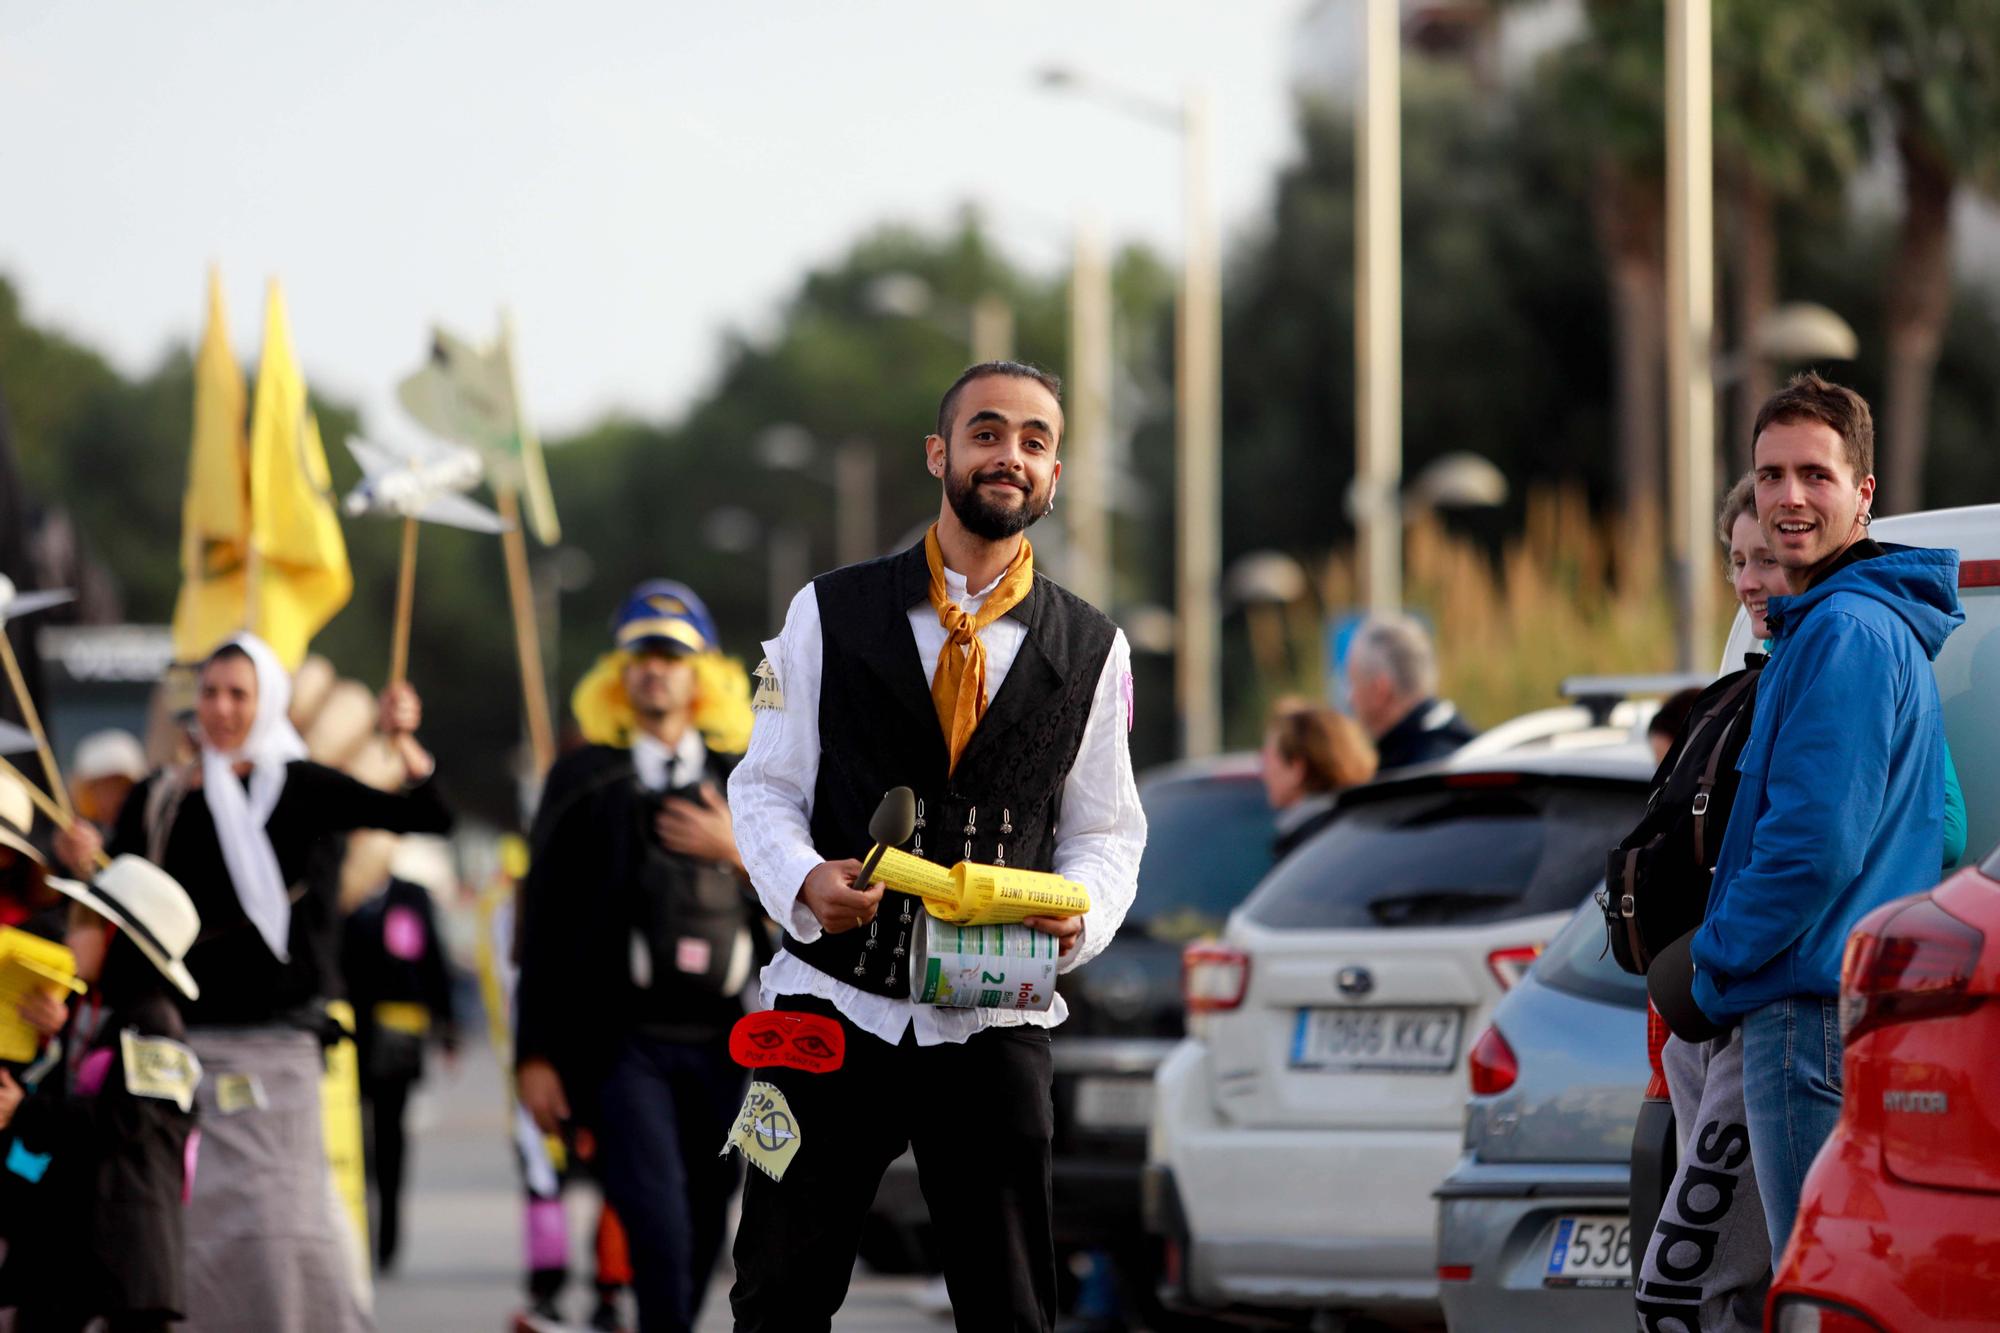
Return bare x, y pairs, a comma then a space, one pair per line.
1708, 1262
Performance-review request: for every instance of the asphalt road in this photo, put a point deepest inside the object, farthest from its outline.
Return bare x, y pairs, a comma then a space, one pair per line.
460, 1271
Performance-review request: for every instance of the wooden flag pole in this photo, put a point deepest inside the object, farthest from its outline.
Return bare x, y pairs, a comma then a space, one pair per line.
406, 596
34, 721
253, 578
527, 636
58, 816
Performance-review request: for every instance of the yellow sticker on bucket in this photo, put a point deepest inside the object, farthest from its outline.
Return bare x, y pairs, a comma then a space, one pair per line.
766, 1130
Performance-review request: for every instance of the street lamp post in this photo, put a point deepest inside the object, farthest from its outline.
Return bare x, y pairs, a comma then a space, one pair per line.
1086, 512
1197, 408
854, 490
1378, 311
1691, 320
986, 326
789, 447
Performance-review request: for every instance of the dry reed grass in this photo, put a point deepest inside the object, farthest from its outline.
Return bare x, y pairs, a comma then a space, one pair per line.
1566, 596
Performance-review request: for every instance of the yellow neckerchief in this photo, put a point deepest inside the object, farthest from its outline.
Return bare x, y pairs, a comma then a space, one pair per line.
958, 688
721, 702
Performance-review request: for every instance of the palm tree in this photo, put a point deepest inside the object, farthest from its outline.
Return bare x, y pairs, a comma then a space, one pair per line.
1607, 88
1933, 73
1782, 133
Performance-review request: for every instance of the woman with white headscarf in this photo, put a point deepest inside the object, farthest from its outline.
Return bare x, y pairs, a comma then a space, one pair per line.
238, 827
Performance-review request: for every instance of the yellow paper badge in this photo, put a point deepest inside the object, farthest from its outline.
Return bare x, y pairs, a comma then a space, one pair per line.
237, 1093
770, 695
766, 1131
157, 1067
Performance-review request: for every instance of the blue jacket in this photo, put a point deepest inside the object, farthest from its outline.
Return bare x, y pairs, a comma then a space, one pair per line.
1843, 780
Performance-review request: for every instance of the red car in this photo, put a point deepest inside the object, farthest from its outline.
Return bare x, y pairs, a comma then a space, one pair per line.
1899, 1227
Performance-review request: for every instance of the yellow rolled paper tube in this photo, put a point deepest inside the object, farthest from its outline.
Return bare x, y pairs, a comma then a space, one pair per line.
970, 894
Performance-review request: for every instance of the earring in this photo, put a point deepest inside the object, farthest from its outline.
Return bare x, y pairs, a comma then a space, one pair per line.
1866, 519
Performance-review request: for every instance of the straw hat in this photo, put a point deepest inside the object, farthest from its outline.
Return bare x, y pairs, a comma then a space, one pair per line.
149, 905
17, 816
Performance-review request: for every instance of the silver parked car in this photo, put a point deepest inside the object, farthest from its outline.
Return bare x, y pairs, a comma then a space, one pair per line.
1533, 1225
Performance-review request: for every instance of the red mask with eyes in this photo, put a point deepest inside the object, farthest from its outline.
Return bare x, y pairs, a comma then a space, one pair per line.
811, 1043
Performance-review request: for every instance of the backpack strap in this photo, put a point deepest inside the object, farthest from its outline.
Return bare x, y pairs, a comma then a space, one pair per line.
1712, 768
1628, 909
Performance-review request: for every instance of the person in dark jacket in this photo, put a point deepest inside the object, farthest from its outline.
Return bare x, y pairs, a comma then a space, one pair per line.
638, 936
400, 986
1311, 754
1392, 684
96, 1162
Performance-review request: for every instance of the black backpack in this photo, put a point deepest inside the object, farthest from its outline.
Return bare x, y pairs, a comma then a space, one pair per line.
1656, 881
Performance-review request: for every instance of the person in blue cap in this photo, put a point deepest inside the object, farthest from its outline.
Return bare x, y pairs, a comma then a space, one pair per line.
639, 933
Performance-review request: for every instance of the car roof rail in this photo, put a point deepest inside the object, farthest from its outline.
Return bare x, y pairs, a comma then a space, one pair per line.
1600, 694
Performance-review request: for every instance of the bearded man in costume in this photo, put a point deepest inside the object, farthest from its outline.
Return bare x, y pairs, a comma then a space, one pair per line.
959, 670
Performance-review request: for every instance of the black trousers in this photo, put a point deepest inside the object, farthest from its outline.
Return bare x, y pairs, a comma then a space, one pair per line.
385, 1101
663, 1113
979, 1119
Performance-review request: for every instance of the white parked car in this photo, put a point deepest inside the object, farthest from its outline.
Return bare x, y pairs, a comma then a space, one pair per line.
1300, 1129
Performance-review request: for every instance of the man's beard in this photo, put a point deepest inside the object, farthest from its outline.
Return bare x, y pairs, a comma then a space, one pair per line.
985, 518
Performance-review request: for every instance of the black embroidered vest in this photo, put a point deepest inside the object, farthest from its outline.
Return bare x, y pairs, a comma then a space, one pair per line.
878, 729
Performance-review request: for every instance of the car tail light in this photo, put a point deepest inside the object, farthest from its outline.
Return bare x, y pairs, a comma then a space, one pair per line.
1979, 573
1454, 1272
1917, 966
1508, 966
1492, 1063
1802, 1314
1213, 976
1657, 1033
1464, 780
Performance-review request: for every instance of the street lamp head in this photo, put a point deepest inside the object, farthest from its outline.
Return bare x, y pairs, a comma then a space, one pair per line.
901, 294
1265, 578
1150, 629
1458, 480
783, 447
1800, 331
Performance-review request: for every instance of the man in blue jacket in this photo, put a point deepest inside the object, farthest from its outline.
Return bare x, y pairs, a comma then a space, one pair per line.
1842, 774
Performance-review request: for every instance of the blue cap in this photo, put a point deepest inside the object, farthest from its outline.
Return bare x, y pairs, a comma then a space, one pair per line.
661, 612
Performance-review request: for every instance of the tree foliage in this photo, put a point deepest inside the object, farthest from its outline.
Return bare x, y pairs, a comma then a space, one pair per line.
1508, 352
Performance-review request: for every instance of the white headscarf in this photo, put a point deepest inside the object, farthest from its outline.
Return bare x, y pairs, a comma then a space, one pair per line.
239, 816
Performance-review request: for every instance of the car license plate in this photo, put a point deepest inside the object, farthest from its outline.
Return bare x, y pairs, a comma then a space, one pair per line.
1114, 1103
1590, 1252
1423, 1041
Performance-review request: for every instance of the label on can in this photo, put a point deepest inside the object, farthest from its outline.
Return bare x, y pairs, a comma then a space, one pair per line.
984, 967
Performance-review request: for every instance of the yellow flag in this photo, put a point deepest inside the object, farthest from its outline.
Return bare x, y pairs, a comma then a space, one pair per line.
300, 557
215, 512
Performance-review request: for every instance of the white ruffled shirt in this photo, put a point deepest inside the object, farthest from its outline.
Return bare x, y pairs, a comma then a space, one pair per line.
1099, 834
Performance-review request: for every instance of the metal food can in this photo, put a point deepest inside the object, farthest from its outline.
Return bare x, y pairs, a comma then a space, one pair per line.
983, 967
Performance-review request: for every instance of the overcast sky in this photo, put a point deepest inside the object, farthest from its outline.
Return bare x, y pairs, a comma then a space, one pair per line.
632, 178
